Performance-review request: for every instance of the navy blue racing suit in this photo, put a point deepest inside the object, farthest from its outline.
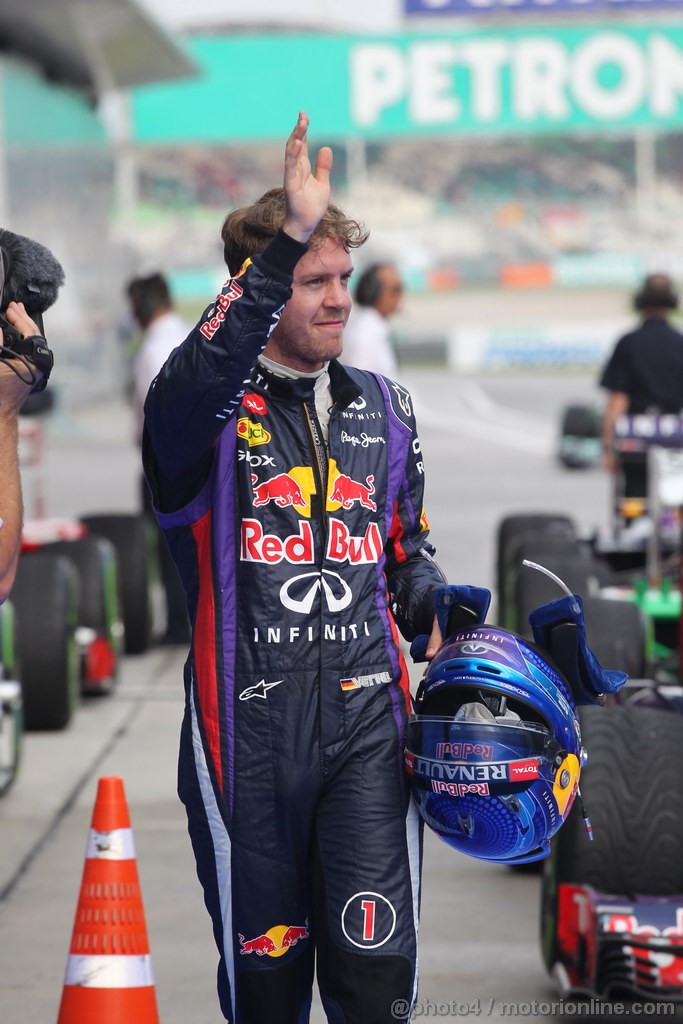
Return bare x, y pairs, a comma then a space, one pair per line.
298, 563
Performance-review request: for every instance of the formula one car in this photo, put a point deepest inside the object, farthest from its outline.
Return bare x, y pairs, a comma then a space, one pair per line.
92, 578
11, 708
612, 908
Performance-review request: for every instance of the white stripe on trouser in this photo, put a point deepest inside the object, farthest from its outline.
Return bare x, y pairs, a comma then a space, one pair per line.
115, 845
222, 850
109, 971
413, 841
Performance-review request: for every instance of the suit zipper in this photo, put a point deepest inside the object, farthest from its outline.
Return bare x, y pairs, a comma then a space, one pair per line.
319, 466
320, 474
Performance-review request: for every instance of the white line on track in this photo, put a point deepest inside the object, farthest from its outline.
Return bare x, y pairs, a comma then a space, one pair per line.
473, 413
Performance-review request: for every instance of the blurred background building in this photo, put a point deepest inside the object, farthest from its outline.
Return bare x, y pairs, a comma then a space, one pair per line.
493, 147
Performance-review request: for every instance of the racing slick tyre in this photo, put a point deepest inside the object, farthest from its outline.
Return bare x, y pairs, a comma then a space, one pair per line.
45, 597
616, 634
580, 573
98, 609
509, 529
632, 793
11, 703
134, 544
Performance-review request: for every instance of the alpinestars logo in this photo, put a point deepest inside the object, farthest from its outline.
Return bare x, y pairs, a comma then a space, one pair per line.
403, 398
259, 689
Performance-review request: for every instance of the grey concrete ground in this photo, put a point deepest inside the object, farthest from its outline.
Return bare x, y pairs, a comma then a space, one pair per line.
488, 450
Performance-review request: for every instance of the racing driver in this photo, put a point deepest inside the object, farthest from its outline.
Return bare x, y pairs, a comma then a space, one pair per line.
290, 489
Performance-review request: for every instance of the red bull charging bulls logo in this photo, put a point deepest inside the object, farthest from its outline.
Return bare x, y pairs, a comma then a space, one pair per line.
347, 491
282, 489
276, 941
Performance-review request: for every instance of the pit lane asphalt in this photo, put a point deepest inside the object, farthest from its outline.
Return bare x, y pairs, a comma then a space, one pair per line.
489, 450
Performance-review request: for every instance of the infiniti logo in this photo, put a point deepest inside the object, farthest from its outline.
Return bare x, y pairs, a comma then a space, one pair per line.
479, 647
474, 647
300, 592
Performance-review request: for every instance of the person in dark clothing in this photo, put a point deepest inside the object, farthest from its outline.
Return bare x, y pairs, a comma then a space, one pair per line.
644, 373
162, 330
290, 488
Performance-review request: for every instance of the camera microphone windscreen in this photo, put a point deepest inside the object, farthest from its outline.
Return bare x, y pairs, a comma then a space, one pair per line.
32, 275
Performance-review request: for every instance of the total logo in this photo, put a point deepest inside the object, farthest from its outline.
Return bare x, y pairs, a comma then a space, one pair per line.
276, 941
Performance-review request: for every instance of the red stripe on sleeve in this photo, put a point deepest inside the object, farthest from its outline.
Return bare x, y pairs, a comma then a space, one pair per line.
404, 678
204, 643
395, 534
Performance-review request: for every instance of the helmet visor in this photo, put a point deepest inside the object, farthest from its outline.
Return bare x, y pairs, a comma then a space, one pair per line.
491, 757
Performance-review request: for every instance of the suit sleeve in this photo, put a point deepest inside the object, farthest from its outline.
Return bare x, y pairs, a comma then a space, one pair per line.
411, 570
201, 385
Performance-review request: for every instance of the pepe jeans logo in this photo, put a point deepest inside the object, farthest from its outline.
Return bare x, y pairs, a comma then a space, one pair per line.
362, 440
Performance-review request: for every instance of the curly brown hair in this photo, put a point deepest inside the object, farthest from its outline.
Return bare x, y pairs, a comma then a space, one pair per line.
248, 231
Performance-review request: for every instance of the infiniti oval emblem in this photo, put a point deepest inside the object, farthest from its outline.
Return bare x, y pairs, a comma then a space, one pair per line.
298, 594
480, 648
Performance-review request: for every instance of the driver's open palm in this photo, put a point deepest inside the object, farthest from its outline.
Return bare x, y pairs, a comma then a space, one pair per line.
307, 192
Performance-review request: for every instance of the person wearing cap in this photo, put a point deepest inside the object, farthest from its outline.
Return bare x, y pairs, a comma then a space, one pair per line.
14, 390
644, 373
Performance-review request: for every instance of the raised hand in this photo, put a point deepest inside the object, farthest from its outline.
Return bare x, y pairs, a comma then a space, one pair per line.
307, 193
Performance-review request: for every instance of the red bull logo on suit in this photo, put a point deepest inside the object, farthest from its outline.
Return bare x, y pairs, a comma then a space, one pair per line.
276, 941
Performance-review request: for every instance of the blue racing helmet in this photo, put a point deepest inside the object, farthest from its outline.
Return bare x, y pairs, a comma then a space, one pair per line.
493, 750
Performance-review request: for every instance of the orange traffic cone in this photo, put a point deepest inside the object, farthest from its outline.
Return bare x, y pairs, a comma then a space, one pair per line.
109, 969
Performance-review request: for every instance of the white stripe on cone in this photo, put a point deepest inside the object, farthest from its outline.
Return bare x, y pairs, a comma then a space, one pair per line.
115, 845
109, 971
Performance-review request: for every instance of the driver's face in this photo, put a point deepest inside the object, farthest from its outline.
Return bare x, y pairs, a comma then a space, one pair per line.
312, 323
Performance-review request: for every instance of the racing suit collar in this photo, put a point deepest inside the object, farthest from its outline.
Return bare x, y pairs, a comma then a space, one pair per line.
344, 389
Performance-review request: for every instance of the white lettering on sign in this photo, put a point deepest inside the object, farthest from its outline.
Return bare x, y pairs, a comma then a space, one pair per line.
604, 51
378, 80
606, 76
667, 84
431, 74
539, 73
